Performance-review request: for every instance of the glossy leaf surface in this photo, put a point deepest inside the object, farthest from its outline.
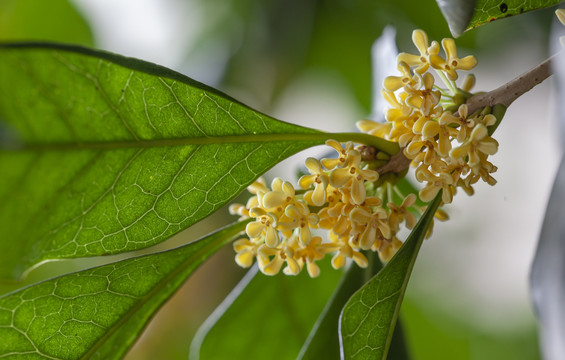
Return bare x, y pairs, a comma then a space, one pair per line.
490, 10
323, 341
98, 313
368, 319
103, 154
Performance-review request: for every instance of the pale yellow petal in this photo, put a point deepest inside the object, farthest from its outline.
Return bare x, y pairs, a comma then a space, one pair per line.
319, 195
254, 229
393, 83
429, 192
272, 237
244, 259
560, 15
420, 39
313, 269
339, 177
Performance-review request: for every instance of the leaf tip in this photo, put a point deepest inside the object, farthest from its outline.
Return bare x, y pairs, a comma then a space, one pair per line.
457, 13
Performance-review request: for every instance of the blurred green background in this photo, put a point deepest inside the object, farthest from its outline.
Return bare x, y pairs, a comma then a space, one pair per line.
309, 62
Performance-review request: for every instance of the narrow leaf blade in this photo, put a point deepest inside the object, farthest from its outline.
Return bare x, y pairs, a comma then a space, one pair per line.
323, 341
111, 154
368, 319
270, 317
100, 312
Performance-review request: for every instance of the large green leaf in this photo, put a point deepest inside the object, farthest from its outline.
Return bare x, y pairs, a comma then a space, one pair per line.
107, 154
98, 313
265, 317
368, 319
489, 10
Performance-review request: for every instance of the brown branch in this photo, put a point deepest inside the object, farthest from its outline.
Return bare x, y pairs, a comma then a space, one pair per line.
504, 95
397, 164
507, 93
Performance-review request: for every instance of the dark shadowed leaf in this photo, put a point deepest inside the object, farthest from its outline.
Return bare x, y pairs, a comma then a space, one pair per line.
265, 317
109, 154
100, 312
368, 319
323, 341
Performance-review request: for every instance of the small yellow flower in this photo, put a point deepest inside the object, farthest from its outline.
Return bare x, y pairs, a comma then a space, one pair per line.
420, 150
302, 219
444, 133
464, 124
452, 63
342, 154
393, 83
351, 171
398, 214
246, 251
478, 142
434, 184
399, 111
264, 226
373, 225
317, 177
344, 252
282, 194
271, 260
388, 249
314, 251
422, 61
425, 99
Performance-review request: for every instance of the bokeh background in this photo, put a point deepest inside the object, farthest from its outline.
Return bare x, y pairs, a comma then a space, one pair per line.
308, 62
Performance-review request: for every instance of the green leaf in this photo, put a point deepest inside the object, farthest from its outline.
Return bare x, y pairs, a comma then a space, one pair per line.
490, 10
323, 341
107, 154
98, 313
368, 319
265, 317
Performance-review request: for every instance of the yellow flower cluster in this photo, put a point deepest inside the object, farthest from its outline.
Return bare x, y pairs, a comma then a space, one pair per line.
449, 149
334, 197
346, 196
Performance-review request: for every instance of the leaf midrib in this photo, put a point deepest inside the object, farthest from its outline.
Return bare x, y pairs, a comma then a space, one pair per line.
316, 137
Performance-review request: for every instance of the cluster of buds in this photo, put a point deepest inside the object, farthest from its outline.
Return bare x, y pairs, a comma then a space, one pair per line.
348, 199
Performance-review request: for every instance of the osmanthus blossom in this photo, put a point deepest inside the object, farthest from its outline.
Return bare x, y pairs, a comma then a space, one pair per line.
318, 178
452, 63
352, 173
343, 205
